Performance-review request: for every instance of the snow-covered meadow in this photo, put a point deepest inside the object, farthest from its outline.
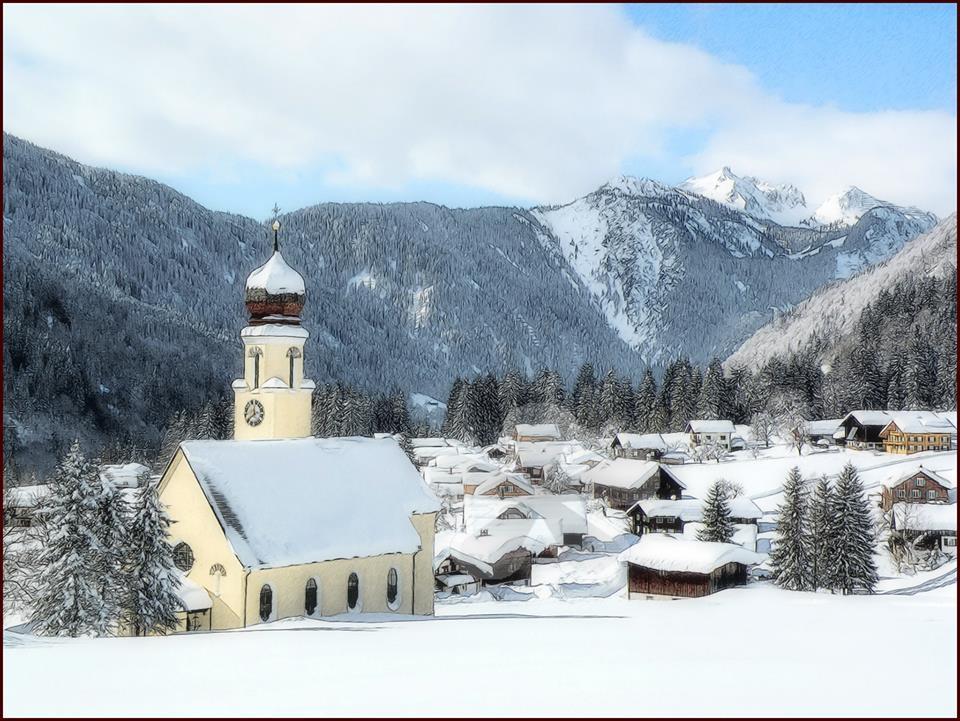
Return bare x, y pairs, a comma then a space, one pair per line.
752, 651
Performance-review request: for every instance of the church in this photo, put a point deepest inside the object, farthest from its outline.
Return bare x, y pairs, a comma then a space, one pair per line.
276, 523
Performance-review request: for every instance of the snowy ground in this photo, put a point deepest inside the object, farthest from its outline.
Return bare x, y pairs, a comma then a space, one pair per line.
751, 651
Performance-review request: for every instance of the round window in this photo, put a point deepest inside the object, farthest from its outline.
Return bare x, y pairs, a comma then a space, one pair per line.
183, 557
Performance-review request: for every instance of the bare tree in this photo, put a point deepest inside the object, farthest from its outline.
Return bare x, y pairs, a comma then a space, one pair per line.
763, 425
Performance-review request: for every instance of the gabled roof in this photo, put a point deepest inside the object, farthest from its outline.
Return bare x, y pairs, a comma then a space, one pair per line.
915, 419
925, 516
496, 479
668, 553
691, 509
641, 441
622, 473
287, 502
919, 423
898, 477
538, 430
699, 426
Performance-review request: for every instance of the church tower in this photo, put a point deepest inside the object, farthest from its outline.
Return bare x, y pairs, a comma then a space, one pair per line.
273, 399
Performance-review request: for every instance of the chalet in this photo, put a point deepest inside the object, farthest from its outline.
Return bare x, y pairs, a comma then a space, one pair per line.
488, 559
499, 485
624, 481
639, 446
911, 434
823, 431
654, 515
537, 459
937, 524
915, 486
554, 520
861, 429
662, 565
536, 432
718, 433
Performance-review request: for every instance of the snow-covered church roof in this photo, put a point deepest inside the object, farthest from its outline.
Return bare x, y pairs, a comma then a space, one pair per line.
276, 277
286, 502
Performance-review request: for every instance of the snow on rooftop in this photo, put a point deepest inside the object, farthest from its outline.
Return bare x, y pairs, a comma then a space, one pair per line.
921, 423
700, 426
481, 551
653, 441
274, 330
744, 534
622, 473
192, 595
286, 502
925, 516
668, 553
901, 474
276, 277
823, 428
691, 509
496, 479
538, 430
124, 475
27, 496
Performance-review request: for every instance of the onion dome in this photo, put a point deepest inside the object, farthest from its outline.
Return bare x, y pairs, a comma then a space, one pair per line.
275, 292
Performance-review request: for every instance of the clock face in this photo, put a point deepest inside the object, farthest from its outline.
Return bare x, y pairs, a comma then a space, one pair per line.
253, 413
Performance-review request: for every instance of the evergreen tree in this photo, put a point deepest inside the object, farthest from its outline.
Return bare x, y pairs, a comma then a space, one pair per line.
69, 599
151, 602
791, 556
644, 402
711, 404
920, 373
717, 525
851, 566
820, 529
112, 515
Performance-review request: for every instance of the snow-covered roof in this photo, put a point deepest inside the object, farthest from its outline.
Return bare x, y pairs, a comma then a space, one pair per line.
920, 422
481, 551
744, 534
286, 502
641, 441
448, 580
428, 442
566, 513
193, 597
464, 462
538, 430
691, 509
622, 473
274, 330
700, 426
496, 479
899, 476
537, 455
925, 516
276, 277
27, 496
125, 475
669, 553
823, 428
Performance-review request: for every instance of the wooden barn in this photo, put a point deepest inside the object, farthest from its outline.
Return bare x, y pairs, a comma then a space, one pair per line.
663, 565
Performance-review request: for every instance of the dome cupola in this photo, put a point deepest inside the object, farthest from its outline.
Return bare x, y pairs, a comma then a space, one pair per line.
275, 292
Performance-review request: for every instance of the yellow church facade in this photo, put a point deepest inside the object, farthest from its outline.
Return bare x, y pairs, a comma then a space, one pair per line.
278, 524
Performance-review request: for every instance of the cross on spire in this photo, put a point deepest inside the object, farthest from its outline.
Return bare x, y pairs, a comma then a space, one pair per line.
276, 228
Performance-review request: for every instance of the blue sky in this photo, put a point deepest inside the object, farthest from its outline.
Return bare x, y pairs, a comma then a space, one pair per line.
476, 105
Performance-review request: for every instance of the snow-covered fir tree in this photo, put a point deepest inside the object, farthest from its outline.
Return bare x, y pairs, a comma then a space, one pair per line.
820, 528
112, 529
791, 555
69, 599
151, 602
717, 525
851, 566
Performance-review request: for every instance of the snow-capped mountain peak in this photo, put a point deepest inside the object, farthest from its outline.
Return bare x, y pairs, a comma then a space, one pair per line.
634, 186
783, 204
849, 205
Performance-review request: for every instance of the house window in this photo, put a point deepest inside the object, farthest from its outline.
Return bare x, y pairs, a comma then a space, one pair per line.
255, 353
291, 354
393, 588
918, 482
218, 572
183, 557
915, 493
266, 603
932, 495
353, 591
901, 493
950, 541
310, 597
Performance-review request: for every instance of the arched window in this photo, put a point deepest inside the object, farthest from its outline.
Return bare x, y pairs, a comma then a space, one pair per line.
183, 557
310, 597
353, 591
255, 353
291, 354
393, 588
218, 572
266, 603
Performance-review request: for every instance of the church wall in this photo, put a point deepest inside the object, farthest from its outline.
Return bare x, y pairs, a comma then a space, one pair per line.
425, 523
286, 414
196, 524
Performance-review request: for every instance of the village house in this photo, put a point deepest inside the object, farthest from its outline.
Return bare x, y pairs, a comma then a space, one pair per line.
936, 524
556, 520
822, 432
915, 486
537, 432
654, 515
861, 429
536, 460
499, 485
486, 559
624, 481
662, 565
276, 523
906, 434
717, 433
639, 446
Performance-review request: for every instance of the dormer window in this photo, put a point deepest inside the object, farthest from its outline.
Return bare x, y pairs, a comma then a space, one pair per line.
292, 353
255, 353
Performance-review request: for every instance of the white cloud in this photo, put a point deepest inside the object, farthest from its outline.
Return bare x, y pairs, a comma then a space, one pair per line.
526, 101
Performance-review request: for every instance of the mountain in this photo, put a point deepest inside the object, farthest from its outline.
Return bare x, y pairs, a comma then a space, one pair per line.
830, 315
678, 273
123, 298
848, 206
782, 204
